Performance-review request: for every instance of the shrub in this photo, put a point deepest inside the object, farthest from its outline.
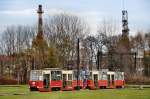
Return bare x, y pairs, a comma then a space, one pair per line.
7, 81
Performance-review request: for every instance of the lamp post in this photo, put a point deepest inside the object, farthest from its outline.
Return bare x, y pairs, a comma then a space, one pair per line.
99, 59
135, 62
78, 63
98, 63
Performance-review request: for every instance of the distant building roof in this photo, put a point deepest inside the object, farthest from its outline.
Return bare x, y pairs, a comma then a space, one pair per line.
6, 58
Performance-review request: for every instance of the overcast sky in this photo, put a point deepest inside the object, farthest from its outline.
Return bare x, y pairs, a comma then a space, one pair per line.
14, 12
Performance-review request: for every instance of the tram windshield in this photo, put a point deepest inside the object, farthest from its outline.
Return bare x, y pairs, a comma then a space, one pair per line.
119, 76
35, 75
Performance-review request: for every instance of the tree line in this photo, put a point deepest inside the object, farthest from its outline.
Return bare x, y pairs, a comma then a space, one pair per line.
22, 48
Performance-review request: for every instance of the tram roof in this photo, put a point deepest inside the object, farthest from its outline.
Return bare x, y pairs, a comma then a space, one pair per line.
52, 69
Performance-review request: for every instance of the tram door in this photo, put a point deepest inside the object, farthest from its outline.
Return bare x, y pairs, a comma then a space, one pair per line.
69, 83
46, 80
64, 80
108, 76
96, 80
111, 77
67, 78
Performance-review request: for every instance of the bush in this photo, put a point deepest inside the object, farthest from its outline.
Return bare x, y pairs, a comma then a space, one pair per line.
7, 81
137, 80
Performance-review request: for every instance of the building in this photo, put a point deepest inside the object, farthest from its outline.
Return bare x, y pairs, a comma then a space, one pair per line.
147, 63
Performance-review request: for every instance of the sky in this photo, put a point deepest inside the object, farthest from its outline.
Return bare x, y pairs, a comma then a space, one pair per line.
23, 12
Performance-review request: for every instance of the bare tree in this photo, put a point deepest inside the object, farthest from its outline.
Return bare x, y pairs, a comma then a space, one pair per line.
62, 31
147, 55
147, 40
14, 42
90, 50
107, 39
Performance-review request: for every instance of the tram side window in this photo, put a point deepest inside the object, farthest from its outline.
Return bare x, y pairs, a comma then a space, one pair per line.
56, 75
81, 75
103, 76
75, 75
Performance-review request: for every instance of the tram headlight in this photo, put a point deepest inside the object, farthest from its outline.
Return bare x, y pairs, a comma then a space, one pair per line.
33, 83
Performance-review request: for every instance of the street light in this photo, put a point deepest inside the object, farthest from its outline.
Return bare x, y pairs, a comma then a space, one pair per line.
78, 63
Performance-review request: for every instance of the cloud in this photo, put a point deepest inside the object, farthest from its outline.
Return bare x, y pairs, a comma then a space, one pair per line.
2, 28
91, 17
25, 12
94, 18
54, 11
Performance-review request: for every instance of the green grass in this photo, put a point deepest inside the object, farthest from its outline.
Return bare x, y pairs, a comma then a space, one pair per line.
82, 94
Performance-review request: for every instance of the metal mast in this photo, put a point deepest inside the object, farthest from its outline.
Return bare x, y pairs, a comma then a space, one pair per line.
125, 29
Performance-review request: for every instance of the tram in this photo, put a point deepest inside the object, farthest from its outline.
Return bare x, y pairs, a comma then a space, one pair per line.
51, 79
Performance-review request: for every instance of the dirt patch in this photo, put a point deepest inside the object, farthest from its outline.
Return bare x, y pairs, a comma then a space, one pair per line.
8, 94
4, 94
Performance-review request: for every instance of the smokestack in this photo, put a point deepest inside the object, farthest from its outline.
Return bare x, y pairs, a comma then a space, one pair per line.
40, 10
40, 20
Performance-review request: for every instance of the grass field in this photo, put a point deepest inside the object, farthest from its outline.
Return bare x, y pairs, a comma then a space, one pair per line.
24, 93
